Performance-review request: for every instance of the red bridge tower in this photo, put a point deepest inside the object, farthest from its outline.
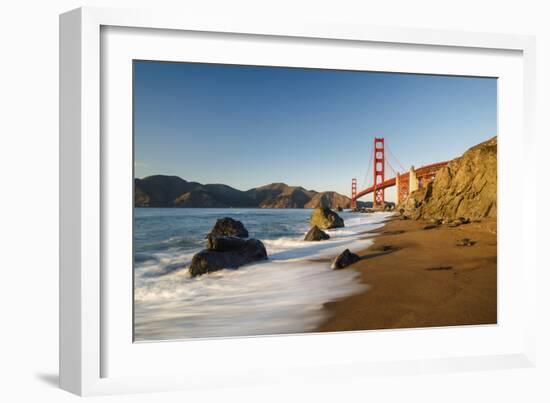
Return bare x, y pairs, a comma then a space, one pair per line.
379, 163
353, 194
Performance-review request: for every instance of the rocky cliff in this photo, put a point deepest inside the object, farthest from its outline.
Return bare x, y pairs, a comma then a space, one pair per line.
172, 191
466, 187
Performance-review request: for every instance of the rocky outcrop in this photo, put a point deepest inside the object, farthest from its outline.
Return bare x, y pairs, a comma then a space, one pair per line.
466, 187
316, 234
226, 253
366, 210
344, 259
369, 208
141, 199
325, 218
228, 226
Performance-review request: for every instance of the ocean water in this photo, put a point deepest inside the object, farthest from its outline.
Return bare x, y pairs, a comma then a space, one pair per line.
284, 294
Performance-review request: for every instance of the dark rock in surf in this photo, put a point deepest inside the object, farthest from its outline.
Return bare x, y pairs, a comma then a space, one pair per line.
225, 243
226, 253
316, 234
345, 259
227, 226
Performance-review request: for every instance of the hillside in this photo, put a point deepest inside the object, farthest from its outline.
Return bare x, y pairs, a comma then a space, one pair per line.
466, 187
160, 190
172, 191
213, 196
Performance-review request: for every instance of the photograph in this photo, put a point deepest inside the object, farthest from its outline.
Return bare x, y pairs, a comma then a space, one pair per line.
272, 200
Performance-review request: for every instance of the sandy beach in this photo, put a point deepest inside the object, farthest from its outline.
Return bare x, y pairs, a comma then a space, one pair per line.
420, 277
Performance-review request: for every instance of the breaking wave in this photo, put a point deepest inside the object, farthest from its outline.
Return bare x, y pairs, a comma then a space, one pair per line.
282, 295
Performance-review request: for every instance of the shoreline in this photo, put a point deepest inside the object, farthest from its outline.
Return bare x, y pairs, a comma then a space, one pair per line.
346, 209
420, 278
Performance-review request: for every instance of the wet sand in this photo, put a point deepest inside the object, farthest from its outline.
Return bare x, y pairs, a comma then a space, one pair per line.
420, 278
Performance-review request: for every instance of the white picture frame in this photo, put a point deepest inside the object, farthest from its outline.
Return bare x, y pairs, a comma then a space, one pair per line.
88, 334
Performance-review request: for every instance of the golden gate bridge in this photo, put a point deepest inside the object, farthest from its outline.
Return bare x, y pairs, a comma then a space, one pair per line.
405, 182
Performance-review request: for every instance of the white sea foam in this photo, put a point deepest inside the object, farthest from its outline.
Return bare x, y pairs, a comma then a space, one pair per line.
282, 295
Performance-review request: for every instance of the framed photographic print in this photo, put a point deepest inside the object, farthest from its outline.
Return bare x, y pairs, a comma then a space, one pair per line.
289, 200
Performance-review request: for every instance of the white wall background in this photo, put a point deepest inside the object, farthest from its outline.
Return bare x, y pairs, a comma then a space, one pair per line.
29, 197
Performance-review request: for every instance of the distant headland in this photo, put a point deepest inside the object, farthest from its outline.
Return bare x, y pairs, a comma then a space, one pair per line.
173, 191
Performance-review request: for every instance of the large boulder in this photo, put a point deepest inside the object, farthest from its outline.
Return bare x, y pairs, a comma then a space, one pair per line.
344, 259
226, 253
325, 218
316, 234
225, 243
227, 226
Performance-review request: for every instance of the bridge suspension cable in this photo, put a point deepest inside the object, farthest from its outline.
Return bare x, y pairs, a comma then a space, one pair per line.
368, 170
396, 160
391, 167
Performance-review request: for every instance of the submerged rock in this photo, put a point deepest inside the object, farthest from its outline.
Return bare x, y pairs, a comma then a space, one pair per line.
316, 234
227, 226
325, 218
344, 259
226, 253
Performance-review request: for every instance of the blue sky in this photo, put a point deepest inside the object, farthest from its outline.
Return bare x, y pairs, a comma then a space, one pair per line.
247, 126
